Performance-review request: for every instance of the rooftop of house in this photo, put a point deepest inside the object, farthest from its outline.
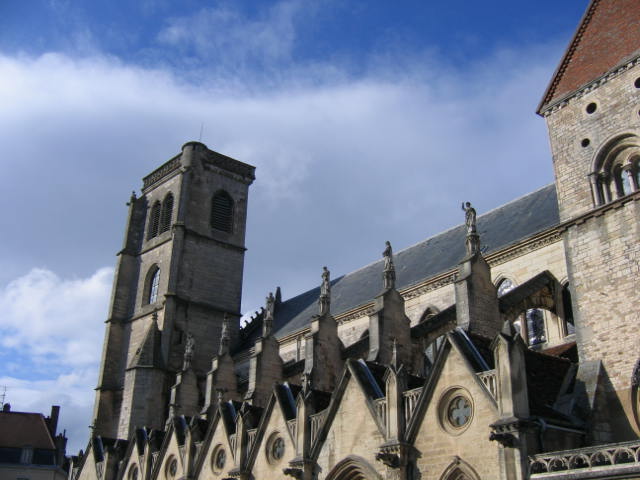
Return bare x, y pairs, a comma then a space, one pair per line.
22, 429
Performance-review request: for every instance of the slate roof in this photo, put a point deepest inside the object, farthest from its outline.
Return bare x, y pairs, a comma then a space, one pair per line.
608, 35
19, 429
499, 228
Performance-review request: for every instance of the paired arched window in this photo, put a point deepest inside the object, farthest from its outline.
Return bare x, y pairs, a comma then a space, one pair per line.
616, 169
222, 212
160, 217
152, 284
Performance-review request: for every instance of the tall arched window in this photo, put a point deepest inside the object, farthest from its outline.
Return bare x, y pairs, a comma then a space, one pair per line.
153, 282
535, 326
154, 220
222, 212
167, 212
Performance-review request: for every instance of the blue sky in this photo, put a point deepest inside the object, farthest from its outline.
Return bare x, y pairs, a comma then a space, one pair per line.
367, 121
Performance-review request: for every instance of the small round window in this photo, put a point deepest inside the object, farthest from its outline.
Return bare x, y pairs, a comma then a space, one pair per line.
172, 467
275, 448
459, 411
218, 459
455, 410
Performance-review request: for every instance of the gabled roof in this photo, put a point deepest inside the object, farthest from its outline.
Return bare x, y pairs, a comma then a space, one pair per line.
20, 429
608, 35
499, 228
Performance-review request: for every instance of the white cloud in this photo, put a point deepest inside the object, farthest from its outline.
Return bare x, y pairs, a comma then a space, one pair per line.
53, 319
343, 165
351, 158
225, 34
51, 332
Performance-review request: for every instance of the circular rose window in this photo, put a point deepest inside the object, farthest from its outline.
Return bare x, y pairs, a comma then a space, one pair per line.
218, 459
172, 467
459, 411
275, 448
455, 410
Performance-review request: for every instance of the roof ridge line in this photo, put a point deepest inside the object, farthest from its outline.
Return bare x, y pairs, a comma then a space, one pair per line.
344, 275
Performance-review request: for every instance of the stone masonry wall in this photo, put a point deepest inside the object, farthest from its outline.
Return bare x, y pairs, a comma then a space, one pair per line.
617, 107
604, 264
603, 251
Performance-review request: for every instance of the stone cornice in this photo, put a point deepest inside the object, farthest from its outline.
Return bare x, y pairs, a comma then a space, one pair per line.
535, 242
599, 211
589, 87
243, 171
160, 173
222, 243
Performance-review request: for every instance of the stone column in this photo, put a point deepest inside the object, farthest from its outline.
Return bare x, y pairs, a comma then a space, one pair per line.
388, 325
514, 430
595, 189
323, 353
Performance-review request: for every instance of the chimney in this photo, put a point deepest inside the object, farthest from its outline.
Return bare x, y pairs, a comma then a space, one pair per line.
52, 421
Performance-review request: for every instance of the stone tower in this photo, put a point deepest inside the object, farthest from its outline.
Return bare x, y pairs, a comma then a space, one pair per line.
592, 109
178, 273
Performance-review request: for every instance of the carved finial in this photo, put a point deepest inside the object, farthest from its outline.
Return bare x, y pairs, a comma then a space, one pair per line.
267, 323
188, 351
224, 336
154, 317
325, 292
389, 271
132, 198
473, 240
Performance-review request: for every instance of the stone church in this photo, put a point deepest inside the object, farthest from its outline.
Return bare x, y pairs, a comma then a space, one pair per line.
504, 348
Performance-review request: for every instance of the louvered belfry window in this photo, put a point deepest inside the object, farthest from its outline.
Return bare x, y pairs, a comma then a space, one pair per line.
167, 212
222, 212
154, 220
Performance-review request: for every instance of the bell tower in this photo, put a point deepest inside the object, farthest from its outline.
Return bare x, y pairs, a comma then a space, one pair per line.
592, 110
179, 272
